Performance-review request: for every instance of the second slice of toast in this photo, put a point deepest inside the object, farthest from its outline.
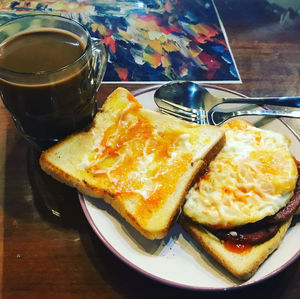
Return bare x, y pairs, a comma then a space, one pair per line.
242, 265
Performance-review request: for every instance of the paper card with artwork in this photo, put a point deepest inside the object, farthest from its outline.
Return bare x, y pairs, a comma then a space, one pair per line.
149, 41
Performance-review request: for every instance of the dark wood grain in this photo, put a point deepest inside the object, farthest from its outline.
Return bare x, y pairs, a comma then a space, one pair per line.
41, 257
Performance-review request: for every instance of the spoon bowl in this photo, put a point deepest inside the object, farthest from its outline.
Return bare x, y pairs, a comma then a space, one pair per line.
187, 94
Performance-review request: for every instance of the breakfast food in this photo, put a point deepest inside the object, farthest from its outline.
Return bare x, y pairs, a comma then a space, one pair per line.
240, 210
139, 161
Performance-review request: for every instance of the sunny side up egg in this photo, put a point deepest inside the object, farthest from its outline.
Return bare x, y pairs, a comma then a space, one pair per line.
252, 177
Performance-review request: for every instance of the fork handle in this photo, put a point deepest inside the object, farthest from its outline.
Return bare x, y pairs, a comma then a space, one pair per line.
279, 101
278, 113
218, 117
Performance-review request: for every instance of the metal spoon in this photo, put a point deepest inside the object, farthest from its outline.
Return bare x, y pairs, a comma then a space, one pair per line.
192, 95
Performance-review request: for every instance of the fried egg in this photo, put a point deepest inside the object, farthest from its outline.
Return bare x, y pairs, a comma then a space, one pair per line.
252, 177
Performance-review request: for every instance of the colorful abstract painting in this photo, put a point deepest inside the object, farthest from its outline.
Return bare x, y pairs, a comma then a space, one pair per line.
150, 40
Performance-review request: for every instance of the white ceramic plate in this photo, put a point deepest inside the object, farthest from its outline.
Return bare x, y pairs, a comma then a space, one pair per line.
177, 260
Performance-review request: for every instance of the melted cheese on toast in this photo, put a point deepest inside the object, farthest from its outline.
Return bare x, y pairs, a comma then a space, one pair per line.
141, 160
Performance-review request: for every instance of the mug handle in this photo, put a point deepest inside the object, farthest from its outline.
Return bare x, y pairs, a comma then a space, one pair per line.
99, 60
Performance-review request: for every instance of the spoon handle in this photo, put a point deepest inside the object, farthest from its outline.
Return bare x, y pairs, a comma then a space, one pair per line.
279, 101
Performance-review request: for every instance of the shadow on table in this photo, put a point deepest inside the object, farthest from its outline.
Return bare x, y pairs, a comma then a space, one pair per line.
55, 202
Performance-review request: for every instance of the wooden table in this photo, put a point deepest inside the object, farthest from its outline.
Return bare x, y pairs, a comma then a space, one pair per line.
44, 258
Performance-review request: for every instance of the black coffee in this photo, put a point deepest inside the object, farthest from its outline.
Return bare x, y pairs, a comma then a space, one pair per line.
49, 111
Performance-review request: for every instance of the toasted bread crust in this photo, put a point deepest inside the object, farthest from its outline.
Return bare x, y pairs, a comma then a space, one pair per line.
241, 265
61, 160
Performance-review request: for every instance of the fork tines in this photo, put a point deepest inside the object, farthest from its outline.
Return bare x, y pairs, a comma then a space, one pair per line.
191, 118
185, 113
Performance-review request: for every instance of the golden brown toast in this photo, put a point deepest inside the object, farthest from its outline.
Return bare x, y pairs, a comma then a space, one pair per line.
139, 161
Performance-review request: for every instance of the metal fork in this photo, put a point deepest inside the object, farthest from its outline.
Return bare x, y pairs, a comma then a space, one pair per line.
217, 114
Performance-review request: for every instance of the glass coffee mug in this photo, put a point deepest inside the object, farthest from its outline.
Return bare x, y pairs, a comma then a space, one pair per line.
50, 72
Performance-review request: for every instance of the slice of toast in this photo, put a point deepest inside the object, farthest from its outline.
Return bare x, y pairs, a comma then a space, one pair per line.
242, 265
140, 161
